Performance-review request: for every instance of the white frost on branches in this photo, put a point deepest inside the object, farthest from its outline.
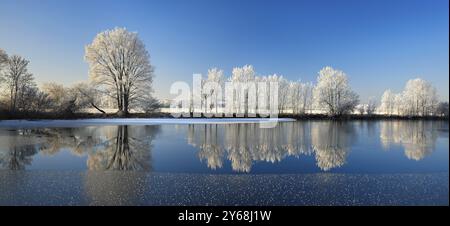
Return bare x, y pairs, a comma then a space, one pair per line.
119, 62
333, 94
419, 98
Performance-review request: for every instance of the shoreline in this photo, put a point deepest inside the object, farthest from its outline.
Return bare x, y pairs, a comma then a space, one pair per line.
135, 121
51, 116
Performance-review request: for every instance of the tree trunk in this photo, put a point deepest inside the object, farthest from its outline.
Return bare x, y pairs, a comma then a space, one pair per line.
11, 100
123, 109
100, 110
125, 103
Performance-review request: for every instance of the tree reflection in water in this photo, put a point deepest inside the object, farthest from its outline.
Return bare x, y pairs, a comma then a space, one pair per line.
331, 141
19, 151
244, 144
129, 147
107, 148
125, 149
418, 138
17, 157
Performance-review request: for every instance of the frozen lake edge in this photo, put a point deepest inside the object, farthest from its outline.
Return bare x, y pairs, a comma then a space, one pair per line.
135, 121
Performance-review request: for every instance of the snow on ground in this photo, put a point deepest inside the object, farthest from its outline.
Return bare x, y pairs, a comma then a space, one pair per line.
135, 121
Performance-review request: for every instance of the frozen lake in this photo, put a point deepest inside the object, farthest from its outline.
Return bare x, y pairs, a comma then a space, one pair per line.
117, 162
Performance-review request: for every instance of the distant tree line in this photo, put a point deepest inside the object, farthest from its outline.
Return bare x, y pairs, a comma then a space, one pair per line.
419, 98
331, 95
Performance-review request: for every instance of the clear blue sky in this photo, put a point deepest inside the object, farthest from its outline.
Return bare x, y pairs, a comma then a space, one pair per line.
380, 44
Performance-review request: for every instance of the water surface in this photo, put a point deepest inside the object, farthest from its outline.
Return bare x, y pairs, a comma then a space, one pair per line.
291, 147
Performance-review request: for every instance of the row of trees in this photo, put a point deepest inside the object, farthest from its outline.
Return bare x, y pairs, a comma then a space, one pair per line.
21, 93
120, 72
331, 95
419, 98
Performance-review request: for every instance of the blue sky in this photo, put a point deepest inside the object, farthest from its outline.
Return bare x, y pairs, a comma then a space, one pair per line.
380, 44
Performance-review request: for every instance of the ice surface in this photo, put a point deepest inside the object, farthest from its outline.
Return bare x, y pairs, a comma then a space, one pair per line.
144, 188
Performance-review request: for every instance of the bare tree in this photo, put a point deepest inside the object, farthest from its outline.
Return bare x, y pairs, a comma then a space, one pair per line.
33, 100
371, 106
149, 104
360, 108
86, 95
3, 64
442, 109
3, 58
17, 79
119, 62
68, 100
57, 93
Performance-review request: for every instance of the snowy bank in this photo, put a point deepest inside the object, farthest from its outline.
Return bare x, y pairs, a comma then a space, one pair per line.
134, 121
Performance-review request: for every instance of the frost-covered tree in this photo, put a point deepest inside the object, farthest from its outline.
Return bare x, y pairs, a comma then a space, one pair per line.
214, 91
332, 92
420, 97
84, 94
387, 102
262, 90
294, 93
241, 77
306, 98
62, 99
300, 97
57, 92
368, 108
119, 62
360, 108
399, 105
68, 100
283, 93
